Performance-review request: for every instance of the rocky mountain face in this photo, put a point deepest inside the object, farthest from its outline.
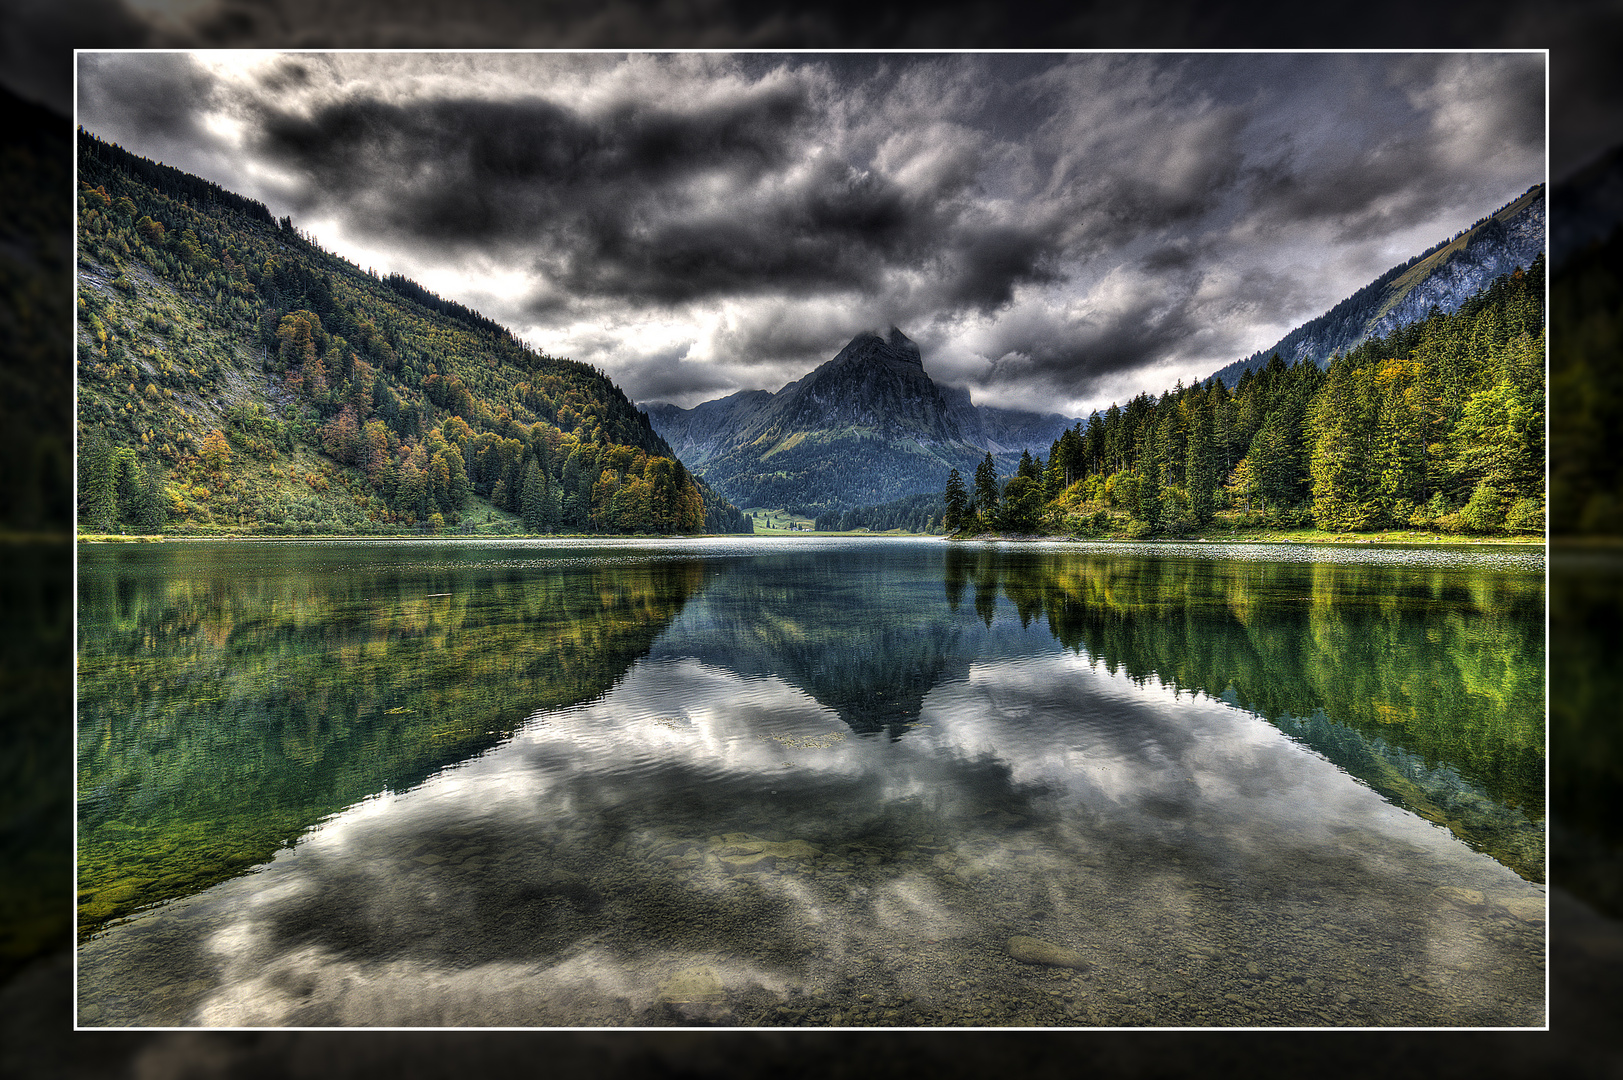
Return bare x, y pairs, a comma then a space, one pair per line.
1443, 277
866, 427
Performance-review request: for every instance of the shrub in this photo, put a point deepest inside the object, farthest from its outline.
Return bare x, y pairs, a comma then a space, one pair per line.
1526, 516
1485, 512
1429, 515
1178, 523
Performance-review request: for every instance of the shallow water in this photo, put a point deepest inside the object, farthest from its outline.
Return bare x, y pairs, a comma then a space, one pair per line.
810, 781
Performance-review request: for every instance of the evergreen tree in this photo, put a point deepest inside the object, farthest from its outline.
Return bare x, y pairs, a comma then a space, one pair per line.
1022, 505
1054, 474
957, 502
986, 493
142, 507
1200, 470
1342, 430
1147, 507
533, 499
1028, 467
1271, 465
1398, 448
98, 484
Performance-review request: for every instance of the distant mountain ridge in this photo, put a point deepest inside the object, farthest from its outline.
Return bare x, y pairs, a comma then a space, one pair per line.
1444, 276
866, 427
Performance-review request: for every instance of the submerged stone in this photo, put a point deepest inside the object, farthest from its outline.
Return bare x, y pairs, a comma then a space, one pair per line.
1464, 899
755, 861
1528, 909
1030, 950
692, 986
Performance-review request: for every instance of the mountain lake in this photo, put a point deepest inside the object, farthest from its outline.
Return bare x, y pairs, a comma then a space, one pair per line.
810, 781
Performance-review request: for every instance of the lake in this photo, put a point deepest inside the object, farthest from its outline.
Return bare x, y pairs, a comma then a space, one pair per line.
810, 781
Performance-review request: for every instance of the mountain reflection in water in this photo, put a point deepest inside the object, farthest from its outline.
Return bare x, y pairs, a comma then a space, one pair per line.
1213, 787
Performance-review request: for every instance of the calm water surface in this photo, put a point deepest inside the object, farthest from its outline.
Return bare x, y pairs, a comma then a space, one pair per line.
812, 781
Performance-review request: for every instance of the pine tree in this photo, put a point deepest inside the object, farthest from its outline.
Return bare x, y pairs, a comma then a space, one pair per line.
1200, 469
1022, 505
1398, 448
1270, 459
98, 484
1028, 467
1342, 428
957, 497
533, 500
144, 508
1148, 507
986, 491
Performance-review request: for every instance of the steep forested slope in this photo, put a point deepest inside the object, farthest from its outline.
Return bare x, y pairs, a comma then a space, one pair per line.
1438, 426
233, 374
1443, 278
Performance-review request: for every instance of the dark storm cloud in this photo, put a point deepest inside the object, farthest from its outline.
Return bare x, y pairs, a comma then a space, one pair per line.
290, 73
832, 228
1166, 307
1179, 254
1042, 225
651, 203
1058, 355
454, 158
145, 98
1414, 136
643, 201
986, 264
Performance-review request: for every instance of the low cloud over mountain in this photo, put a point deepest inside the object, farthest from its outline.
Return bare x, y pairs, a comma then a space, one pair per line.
1058, 231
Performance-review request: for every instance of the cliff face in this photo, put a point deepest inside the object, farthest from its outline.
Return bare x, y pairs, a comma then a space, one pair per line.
698, 434
1444, 278
866, 427
873, 385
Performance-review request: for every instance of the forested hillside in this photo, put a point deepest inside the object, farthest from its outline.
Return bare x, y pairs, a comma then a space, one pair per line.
234, 376
1437, 426
1441, 278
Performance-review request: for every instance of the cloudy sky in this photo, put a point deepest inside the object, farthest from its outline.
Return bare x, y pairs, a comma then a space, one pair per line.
1056, 231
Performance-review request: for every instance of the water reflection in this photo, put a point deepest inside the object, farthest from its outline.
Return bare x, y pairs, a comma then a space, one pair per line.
1424, 682
713, 836
231, 696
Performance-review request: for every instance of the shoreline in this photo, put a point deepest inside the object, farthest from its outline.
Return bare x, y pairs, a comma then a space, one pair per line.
1259, 536
1388, 538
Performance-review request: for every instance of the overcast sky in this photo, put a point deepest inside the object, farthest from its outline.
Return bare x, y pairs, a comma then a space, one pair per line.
1057, 232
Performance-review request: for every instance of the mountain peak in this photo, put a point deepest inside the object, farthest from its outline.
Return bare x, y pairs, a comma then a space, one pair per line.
867, 427
895, 345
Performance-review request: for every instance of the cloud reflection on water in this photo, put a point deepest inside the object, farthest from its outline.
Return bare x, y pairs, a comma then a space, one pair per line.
724, 835
1038, 769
